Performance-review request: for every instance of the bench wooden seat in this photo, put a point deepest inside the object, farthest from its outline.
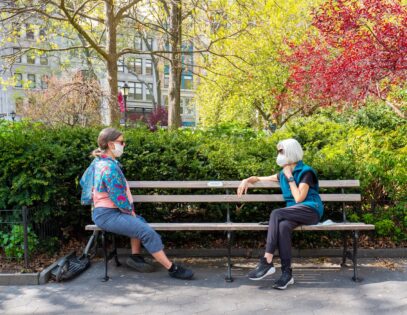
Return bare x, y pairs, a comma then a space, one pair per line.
225, 192
246, 227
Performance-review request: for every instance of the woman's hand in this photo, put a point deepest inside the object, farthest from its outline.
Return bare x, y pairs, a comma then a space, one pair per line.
244, 185
287, 171
242, 189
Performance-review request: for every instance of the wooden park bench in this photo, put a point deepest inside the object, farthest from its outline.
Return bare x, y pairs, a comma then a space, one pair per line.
225, 192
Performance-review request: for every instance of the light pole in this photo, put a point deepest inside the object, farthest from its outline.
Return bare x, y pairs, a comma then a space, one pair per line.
125, 94
13, 115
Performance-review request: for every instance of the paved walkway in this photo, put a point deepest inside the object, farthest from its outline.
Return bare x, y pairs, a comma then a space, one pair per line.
322, 287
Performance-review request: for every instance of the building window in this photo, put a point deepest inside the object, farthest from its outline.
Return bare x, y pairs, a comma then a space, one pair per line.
149, 96
149, 67
17, 54
19, 80
166, 80
139, 91
187, 63
130, 64
139, 66
135, 65
44, 82
149, 45
31, 79
29, 31
186, 106
138, 43
44, 60
120, 65
187, 84
167, 46
16, 30
42, 33
31, 58
132, 90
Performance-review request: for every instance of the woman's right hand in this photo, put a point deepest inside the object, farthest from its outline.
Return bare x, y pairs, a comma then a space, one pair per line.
242, 189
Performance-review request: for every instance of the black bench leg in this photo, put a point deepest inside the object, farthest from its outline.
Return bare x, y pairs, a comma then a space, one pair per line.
345, 248
355, 256
104, 245
116, 258
228, 277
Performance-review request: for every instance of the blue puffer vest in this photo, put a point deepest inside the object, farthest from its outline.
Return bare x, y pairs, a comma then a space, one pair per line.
313, 199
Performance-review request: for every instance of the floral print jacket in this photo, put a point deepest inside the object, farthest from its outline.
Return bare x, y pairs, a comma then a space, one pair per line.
105, 175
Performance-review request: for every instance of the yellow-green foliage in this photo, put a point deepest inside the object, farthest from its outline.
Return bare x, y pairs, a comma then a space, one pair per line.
252, 75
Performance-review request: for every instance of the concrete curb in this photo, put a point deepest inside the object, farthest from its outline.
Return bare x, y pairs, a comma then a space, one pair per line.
45, 275
27, 278
19, 278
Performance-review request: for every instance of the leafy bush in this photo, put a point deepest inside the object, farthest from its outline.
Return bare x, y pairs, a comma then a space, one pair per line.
384, 227
13, 243
41, 167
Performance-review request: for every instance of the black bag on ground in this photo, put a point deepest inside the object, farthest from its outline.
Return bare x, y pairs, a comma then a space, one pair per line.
70, 266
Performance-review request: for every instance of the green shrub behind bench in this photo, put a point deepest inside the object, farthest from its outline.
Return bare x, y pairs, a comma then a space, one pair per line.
40, 167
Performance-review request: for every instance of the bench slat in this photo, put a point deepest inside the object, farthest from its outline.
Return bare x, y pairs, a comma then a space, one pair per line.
247, 227
348, 183
235, 199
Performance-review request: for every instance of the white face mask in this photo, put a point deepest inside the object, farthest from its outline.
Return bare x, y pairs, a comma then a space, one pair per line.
282, 160
118, 150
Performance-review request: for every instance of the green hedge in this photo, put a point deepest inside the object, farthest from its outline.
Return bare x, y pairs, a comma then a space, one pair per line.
41, 167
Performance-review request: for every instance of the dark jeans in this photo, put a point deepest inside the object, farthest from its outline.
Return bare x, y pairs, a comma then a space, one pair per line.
282, 222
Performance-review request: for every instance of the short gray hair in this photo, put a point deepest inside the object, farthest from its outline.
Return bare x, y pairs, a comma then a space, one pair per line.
291, 149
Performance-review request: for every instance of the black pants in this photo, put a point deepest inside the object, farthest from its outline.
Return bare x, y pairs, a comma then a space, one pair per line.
281, 225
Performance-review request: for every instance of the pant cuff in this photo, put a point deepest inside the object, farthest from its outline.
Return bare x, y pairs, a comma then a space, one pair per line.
270, 248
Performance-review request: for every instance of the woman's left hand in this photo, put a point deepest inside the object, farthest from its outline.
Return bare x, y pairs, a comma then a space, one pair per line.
287, 171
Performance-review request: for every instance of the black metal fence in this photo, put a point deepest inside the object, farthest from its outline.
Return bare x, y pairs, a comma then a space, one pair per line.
16, 240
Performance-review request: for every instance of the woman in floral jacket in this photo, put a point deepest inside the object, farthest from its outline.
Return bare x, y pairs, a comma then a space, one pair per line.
104, 185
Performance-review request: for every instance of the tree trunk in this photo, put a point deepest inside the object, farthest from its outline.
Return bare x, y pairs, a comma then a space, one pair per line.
174, 92
157, 83
111, 61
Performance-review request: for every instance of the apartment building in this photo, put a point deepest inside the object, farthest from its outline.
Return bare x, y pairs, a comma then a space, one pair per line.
29, 72
137, 71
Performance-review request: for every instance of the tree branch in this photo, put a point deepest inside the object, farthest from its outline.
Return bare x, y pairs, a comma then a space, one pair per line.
81, 31
123, 9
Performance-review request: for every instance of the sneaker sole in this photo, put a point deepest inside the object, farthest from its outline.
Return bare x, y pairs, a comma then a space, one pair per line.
268, 273
144, 268
182, 278
285, 287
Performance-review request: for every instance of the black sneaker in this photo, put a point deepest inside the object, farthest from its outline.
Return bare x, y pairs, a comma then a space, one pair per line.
262, 270
180, 272
285, 280
138, 263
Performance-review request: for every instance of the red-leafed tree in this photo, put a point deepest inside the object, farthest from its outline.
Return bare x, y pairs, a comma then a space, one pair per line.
356, 50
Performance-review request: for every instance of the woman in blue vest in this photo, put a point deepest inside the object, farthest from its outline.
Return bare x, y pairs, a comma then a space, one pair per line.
299, 185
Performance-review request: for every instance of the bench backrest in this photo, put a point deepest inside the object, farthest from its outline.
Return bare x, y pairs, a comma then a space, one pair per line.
228, 195
228, 191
